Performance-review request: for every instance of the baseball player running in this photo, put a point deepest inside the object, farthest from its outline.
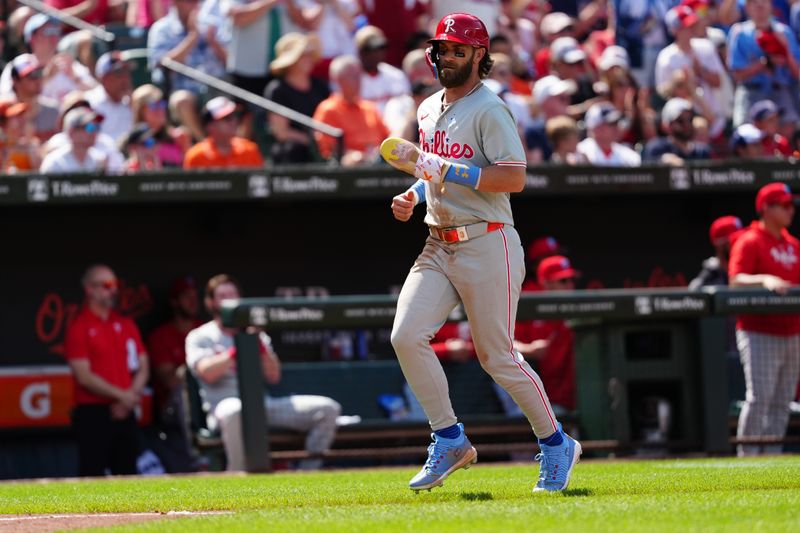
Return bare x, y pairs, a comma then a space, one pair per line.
471, 158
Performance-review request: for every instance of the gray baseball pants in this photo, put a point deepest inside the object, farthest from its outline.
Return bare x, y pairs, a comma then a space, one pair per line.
771, 367
485, 273
315, 415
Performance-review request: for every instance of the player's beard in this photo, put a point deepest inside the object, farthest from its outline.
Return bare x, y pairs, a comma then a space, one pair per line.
457, 76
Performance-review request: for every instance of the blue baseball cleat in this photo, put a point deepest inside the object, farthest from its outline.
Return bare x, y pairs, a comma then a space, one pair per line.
445, 456
556, 463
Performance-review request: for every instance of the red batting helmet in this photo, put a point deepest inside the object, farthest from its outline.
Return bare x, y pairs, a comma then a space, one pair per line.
462, 28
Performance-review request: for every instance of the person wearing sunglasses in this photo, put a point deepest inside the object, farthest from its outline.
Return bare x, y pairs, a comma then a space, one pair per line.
765, 255
109, 367
78, 155
27, 82
141, 148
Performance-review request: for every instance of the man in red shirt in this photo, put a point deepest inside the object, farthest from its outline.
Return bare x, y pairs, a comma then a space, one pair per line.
539, 249
765, 255
550, 343
166, 347
109, 368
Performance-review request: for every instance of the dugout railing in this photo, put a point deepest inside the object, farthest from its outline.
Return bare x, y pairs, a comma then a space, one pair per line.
630, 345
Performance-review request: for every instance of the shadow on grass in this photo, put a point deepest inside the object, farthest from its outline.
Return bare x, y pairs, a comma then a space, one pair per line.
577, 492
476, 496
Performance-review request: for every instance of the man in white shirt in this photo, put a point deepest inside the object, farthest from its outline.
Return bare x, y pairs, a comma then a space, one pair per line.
380, 81
698, 57
80, 155
112, 98
601, 147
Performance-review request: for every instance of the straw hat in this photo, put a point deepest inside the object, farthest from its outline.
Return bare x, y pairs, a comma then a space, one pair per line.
290, 48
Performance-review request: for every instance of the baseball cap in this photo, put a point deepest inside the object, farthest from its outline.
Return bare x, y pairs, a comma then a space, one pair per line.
181, 284
674, 108
553, 23
11, 108
614, 56
25, 64
601, 113
746, 134
762, 109
109, 63
218, 108
678, 17
774, 193
370, 38
722, 228
551, 85
34, 23
290, 48
700, 7
566, 50
555, 268
79, 117
140, 134
542, 247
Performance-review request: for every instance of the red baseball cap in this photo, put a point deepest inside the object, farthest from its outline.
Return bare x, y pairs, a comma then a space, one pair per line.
680, 16
179, 285
774, 193
542, 247
722, 228
555, 268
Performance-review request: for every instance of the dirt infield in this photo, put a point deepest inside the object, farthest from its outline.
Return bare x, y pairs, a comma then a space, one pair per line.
46, 523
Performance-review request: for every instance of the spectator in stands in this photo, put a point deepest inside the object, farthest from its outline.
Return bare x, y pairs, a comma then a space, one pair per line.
16, 26
549, 343
112, 98
109, 367
539, 249
550, 99
140, 147
143, 13
563, 135
765, 116
19, 149
78, 155
333, 21
211, 357
722, 233
114, 158
250, 50
639, 29
149, 106
683, 85
746, 142
697, 56
166, 347
26, 76
601, 146
521, 34
92, 11
62, 74
400, 113
363, 127
679, 145
766, 255
568, 62
397, 19
763, 58
380, 81
222, 148
618, 87
552, 26
294, 87
177, 37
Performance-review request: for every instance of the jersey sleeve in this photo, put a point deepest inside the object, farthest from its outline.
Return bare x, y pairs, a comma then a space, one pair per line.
499, 138
198, 347
744, 258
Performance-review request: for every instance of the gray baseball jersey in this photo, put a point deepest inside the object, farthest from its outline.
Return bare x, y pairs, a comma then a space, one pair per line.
477, 130
484, 273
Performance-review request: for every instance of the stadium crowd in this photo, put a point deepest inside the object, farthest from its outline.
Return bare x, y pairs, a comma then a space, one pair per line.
589, 81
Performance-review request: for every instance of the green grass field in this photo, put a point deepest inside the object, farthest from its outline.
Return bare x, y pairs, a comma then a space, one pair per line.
755, 495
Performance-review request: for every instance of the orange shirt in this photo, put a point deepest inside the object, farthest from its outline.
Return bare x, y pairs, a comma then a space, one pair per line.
244, 154
362, 124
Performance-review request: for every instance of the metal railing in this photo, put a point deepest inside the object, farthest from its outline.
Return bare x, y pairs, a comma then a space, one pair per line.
96, 31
